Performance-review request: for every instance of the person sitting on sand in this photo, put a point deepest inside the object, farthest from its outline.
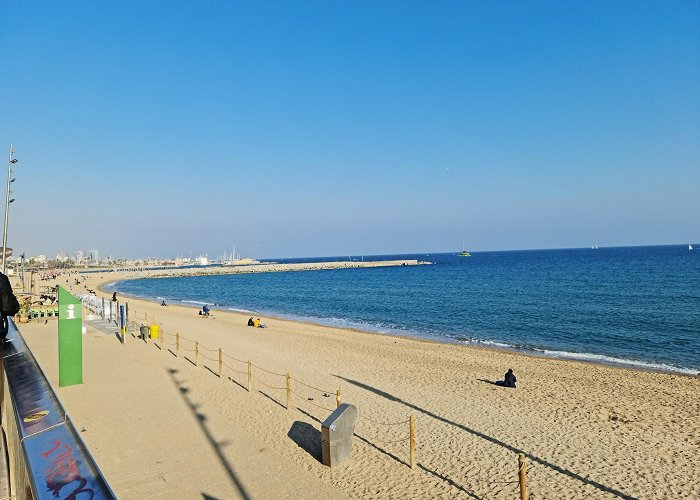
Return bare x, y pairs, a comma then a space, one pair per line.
163, 303
258, 324
114, 296
251, 322
205, 310
509, 379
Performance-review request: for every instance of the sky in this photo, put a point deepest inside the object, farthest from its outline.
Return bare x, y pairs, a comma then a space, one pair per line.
290, 129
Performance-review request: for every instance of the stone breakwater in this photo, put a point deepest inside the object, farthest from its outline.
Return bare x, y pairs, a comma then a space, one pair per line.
268, 268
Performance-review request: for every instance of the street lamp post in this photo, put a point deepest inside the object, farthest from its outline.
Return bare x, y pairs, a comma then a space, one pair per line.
10, 180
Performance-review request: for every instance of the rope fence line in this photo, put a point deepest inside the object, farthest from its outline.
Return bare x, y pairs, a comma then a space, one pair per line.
131, 325
268, 371
208, 358
309, 402
206, 348
311, 386
235, 359
268, 386
288, 387
234, 370
384, 423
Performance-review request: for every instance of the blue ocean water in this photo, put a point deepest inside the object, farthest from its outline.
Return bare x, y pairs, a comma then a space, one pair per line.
636, 306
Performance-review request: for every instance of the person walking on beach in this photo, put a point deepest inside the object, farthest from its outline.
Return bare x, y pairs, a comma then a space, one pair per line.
509, 379
9, 305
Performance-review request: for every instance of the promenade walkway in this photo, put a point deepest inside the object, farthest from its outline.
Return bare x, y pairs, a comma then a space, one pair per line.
143, 418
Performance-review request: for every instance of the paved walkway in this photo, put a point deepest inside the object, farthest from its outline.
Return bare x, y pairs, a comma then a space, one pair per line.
142, 417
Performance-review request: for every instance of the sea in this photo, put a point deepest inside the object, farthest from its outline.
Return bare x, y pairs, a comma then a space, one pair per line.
632, 306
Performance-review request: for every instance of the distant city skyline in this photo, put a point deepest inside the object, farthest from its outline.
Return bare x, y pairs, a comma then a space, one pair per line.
323, 129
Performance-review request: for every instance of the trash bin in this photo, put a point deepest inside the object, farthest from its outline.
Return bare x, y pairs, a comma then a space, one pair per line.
144, 332
336, 434
154, 331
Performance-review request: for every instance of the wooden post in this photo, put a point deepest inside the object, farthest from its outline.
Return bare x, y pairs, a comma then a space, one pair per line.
412, 441
289, 390
221, 362
337, 398
177, 345
521, 476
250, 373
196, 352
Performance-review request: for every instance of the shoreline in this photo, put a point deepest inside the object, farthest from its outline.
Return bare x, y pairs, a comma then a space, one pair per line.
618, 363
588, 430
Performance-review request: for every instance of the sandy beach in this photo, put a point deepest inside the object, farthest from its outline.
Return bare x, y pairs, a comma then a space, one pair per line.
160, 426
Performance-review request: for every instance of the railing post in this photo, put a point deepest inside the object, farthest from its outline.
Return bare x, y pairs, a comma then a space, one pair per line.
289, 390
177, 345
250, 373
221, 362
522, 477
337, 398
196, 352
412, 441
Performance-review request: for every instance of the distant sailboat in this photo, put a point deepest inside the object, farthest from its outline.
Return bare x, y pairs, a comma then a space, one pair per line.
690, 247
464, 253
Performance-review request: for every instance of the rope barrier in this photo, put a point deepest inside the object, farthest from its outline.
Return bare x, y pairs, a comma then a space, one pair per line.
236, 359
234, 370
207, 357
266, 385
268, 371
311, 403
203, 347
383, 423
311, 386
395, 441
188, 340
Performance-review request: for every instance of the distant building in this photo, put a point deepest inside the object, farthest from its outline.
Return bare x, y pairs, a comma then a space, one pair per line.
79, 256
94, 256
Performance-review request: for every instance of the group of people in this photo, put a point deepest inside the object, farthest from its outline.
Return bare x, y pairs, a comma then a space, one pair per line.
255, 323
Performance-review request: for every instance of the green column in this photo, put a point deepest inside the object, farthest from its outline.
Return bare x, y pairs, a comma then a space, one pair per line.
70, 339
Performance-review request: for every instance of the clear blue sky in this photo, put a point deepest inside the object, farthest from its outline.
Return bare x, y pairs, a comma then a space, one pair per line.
338, 128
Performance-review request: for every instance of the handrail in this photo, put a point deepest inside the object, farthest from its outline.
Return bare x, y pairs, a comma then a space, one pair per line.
47, 457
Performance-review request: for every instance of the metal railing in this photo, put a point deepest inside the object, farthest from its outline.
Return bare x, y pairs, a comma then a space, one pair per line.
46, 456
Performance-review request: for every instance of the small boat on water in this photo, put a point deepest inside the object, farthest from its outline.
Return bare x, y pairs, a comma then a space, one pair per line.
464, 253
690, 247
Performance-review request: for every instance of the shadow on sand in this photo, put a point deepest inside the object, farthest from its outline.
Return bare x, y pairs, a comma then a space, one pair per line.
216, 446
491, 439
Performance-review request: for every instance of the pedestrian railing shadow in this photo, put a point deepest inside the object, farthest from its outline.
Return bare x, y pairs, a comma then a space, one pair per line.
216, 446
491, 439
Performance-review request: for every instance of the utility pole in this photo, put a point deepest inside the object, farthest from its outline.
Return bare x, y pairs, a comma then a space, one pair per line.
10, 180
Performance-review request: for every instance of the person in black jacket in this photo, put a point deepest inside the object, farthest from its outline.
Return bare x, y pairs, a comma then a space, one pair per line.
509, 379
9, 306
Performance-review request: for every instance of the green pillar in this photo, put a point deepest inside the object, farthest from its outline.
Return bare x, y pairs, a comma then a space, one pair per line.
70, 339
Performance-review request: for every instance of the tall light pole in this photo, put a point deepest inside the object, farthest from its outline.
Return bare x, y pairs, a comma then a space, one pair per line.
10, 180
